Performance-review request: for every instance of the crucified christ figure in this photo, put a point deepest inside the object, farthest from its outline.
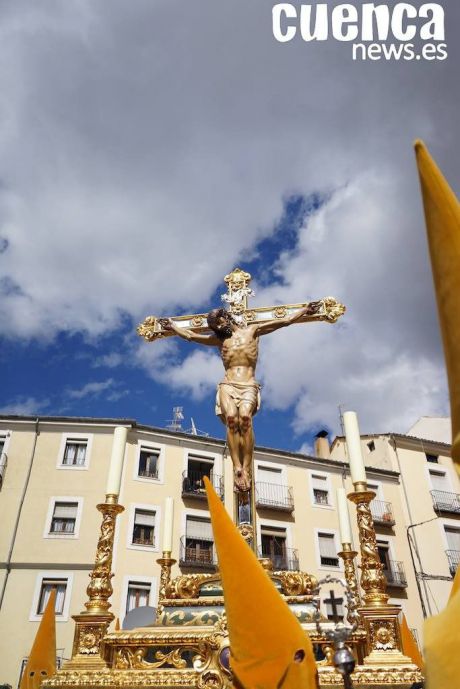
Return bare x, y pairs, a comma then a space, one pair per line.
238, 395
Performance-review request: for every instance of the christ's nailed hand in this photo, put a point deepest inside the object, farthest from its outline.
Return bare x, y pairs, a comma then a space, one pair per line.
166, 323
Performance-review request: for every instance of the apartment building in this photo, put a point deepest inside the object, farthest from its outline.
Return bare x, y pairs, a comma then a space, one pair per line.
430, 497
54, 472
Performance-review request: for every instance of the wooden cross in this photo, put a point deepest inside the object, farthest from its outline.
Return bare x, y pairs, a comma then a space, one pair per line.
236, 297
334, 603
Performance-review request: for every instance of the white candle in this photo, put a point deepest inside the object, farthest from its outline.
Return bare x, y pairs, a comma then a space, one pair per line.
344, 516
168, 526
116, 460
353, 438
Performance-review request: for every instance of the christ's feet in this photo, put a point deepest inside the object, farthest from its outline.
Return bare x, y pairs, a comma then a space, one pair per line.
242, 480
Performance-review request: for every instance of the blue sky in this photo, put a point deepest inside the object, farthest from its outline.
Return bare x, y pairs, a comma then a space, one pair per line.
146, 149
79, 376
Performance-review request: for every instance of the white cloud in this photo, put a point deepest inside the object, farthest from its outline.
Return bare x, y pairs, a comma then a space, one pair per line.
111, 360
92, 389
25, 406
140, 162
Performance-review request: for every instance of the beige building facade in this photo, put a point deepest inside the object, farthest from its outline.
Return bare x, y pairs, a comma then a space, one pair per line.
54, 472
430, 501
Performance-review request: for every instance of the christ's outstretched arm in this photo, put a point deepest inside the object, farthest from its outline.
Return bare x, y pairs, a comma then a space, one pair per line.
269, 327
189, 335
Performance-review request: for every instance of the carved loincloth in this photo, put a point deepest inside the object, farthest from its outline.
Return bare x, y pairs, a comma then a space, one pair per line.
239, 392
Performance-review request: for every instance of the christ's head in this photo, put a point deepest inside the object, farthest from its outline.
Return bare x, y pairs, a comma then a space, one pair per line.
220, 321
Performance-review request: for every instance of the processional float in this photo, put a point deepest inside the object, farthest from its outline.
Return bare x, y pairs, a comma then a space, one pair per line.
188, 643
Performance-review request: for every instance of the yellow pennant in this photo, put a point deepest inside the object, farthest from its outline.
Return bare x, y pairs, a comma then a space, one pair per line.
269, 648
42, 658
442, 216
409, 646
442, 657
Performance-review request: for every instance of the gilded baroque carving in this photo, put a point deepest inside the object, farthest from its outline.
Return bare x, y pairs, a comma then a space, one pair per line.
296, 583
383, 635
210, 679
89, 640
246, 531
100, 587
372, 578
188, 585
280, 312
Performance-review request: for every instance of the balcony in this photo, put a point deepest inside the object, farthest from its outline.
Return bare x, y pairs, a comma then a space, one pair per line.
193, 485
382, 513
3, 463
197, 556
288, 560
454, 560
395, 574
274, 497
445, 502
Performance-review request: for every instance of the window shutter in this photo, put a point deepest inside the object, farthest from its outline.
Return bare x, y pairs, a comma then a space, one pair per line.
319, 482
144, 518
439, 481
266, 475
453, 538
65, 510
200, 529
327, 545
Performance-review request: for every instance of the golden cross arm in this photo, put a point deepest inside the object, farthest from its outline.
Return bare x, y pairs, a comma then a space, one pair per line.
327, 309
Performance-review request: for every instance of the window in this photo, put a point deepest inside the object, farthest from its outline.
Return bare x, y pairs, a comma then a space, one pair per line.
46, 581
320, 487
138, 594
64, 518
197, 468
453, 537
149, 463
439, 480
453, 547
273, 542
3, 458
371, 446
383, 548
199, 542
144, 528
327, 550
431, 458
75, 453
47, 585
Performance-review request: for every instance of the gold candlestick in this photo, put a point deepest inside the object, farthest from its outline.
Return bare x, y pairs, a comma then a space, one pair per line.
92, 623
166, 562
373, 580
348, 556
380, 620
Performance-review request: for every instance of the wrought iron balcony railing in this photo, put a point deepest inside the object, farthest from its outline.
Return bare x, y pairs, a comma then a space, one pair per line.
445, 502
193, 484
274, 496
382, 512
288, 560
454, 560
395, 574
3, 463
197, 556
